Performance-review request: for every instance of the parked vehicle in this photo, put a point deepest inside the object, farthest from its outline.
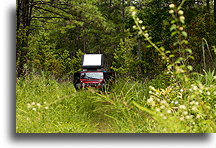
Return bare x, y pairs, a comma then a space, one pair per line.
93, 73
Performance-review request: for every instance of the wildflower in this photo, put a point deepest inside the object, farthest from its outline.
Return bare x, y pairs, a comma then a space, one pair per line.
169, 111
198, 116
134, 26
172, 6
157, 109
188, 117
182, 106
193, 102
163, 102
181, 90
176, 102
164, 117
33, 103
133, 13
150, 100
140, 21
151, 87
45, 102
185, 112
143, 27
171, 11
208, 93
197, 103
181, 28
172, 102
146, 35
180, 12
46, 107
194, 108
34, 109
182, 118
162, 107
195, 87
38, 104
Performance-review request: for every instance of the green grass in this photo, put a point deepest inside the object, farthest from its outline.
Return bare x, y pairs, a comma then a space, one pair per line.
46, 106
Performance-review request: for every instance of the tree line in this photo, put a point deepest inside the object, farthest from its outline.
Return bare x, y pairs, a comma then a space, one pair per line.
52, 35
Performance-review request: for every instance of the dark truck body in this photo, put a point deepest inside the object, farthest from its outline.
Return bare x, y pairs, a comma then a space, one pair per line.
93, 74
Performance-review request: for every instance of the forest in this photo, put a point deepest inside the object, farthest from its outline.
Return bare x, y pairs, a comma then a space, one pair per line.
161, 51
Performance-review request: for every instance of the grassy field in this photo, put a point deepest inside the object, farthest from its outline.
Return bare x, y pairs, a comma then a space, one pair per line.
156, 106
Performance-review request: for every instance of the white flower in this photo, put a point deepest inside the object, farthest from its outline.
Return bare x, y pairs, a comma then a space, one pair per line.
146, 35
162, 107
208, 93
34, 109
180, 12
195, 87
182, 118
151, 87
182, 106
143, 27
185, 112
169, 111
181, 90
171, 11
193, 102
150, 100
140, 21
164, 117
133, 13
134, 26
46, 107
33, 103
38, 104
45, 102
163, 102
158, 109
194, 108
198, 116
181, 28
176, 102
172, 6
182, 18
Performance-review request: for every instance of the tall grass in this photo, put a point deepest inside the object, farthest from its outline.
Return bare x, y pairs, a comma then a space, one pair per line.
45, 106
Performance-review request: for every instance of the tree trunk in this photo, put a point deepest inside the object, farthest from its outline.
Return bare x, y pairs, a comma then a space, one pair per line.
24, 12
215, 15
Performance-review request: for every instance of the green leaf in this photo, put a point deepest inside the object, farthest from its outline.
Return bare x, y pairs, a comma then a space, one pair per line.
188, 50
173, 33
184, 33
190, 67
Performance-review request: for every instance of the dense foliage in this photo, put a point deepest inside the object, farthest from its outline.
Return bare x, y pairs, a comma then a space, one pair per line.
163, 54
